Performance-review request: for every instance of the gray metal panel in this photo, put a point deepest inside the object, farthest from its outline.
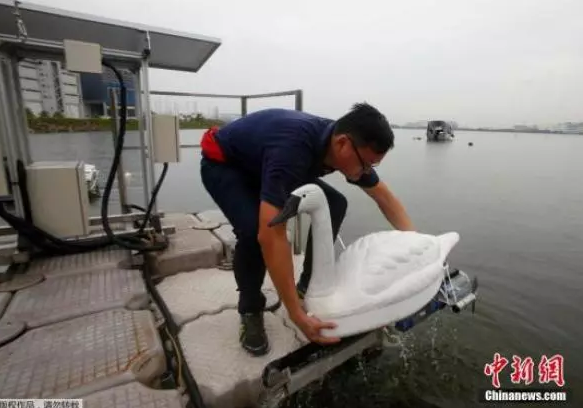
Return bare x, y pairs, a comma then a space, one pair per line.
169, 49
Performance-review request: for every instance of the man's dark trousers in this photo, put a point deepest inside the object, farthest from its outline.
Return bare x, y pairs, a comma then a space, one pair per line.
238, 197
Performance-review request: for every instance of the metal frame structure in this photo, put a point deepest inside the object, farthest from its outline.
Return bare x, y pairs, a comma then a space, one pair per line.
21, 36
33, 31
14, 128
298, 105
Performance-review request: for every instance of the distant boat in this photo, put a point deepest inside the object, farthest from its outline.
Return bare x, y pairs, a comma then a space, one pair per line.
439, 131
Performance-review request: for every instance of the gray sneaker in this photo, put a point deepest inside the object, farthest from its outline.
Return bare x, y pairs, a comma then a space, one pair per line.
252, 335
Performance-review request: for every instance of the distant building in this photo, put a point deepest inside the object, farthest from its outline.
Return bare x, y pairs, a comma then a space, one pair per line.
568, 127
525, 128
229, 117
420, 124
96, 93
47, 86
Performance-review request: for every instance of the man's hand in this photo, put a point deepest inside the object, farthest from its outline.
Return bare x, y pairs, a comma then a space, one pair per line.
278, 259
311, 327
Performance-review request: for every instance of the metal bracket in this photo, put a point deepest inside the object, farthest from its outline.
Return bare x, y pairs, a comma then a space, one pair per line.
289, 374
148, 45
22, 33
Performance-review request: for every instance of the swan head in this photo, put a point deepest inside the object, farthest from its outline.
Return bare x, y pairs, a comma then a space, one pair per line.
305, 199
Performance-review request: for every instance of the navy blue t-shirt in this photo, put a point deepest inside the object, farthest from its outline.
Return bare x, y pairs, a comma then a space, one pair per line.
281, 149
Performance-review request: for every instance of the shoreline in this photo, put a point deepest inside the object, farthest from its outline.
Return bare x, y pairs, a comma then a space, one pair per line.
544, 131
43, 125
72, 125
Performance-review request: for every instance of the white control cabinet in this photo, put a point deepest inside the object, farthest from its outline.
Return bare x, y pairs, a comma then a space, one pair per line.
59, 198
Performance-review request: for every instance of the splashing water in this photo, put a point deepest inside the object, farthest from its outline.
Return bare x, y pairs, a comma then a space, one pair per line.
421, 368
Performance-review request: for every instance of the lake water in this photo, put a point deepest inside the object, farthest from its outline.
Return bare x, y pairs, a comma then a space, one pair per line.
517, 202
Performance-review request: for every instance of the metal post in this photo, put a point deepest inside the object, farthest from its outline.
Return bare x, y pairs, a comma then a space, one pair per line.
141, 120
243, 106
299, 100
9, 132
121, 186
148, 112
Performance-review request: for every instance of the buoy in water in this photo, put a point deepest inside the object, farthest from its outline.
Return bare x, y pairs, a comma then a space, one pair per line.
470, 143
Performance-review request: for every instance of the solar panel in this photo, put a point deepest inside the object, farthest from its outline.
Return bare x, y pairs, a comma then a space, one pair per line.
46, 28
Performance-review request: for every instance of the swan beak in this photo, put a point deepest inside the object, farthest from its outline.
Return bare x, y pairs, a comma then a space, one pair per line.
290, 210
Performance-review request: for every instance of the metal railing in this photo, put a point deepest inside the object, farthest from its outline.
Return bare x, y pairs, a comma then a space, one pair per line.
298, 102
298, 105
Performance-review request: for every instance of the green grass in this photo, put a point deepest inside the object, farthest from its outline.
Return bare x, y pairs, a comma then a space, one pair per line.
46, 124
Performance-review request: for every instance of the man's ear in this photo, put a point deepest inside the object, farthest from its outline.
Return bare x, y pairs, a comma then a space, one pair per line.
340, 139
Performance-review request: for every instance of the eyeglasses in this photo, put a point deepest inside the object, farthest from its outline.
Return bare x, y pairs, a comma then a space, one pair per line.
366, 168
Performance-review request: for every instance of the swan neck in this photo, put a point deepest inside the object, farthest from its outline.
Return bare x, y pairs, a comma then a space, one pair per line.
322, 281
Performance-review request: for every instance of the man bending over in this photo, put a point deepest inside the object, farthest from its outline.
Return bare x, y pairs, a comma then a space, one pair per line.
250, 167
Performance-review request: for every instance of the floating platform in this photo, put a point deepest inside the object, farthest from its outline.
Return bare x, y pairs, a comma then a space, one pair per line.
226, 374
77, 357
86, 326
91, 326
79, 263
58, 299
4, 299
133, 394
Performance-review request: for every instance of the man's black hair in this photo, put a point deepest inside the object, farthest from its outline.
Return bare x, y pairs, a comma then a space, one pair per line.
367, 127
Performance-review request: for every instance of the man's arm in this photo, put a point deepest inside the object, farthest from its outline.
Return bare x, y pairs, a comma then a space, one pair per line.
278, 260
390, 206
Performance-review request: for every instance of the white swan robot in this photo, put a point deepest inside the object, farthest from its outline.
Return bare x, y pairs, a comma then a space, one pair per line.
379, 279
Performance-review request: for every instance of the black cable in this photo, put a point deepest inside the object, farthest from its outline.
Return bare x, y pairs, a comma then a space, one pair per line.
153, 199
136, 207
129, 243
191, 385
47, 242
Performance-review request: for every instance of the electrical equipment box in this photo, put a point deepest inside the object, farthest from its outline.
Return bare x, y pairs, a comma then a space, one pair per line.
59, 198
166, 136
82, 57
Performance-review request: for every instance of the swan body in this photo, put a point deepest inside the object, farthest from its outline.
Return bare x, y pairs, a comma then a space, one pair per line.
379, 279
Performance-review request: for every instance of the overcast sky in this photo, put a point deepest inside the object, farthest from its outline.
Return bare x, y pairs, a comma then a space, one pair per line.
478, 62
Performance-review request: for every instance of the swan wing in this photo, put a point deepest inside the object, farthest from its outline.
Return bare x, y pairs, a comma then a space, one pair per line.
378, 261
